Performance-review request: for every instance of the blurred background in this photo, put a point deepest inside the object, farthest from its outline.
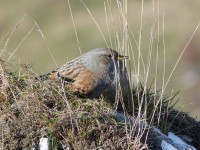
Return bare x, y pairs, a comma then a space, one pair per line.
48, 33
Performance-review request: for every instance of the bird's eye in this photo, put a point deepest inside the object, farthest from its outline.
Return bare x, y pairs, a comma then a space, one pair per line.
110, 56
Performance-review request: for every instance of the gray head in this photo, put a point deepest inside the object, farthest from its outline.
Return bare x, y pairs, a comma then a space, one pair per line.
103, 59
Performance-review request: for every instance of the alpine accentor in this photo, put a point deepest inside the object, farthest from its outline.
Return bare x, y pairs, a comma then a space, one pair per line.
99, 72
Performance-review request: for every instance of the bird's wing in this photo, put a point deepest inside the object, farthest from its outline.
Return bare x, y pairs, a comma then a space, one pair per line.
68, 72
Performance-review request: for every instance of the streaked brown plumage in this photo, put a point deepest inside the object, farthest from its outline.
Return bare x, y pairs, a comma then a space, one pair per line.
95, 73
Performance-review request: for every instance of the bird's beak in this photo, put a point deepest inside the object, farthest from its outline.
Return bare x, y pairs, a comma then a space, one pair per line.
120, 57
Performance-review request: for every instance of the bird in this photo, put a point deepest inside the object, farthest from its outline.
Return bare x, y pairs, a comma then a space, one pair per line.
97, 73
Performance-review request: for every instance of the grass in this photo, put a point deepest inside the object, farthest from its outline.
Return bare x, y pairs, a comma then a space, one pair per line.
31, 109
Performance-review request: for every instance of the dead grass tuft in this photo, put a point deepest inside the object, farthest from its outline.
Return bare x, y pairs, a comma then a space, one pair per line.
31, 109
